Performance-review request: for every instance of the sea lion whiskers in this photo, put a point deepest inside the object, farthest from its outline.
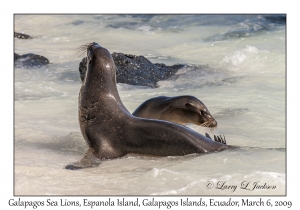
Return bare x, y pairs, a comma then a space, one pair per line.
206, 126
82, 49
201, 129
210, 129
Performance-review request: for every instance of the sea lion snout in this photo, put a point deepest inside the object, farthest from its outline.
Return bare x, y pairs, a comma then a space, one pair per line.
212, 123
91, 47
207, 119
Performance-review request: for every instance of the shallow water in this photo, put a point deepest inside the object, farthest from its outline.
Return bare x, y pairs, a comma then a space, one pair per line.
236, 66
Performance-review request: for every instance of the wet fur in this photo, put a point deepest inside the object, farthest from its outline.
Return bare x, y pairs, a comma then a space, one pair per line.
112, 132
179, 109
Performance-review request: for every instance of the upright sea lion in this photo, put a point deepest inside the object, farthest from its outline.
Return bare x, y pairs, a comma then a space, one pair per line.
111, 131
179, 109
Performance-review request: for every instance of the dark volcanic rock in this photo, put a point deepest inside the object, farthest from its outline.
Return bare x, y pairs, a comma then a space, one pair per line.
137, 70
30, 60
16, 56
278, 19
22, 36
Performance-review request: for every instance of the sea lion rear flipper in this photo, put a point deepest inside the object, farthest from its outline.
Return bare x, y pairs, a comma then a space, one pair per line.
88, 161
72, 167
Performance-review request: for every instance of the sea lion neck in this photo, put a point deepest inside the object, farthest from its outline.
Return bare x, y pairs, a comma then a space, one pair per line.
100, 81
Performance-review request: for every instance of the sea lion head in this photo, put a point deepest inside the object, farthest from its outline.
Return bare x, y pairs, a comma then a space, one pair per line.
193, 111
100, 65
187, 109
90, 50
97, 55
199, 114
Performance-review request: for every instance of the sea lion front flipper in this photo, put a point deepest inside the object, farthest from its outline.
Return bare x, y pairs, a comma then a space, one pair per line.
208, 136
224, 140
215, 138
88, 161
219, 139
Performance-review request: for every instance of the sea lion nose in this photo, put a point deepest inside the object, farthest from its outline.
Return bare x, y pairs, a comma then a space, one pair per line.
95, 44
211, 123
214, 123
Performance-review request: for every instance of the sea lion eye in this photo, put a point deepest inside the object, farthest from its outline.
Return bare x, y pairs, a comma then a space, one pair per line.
187, 104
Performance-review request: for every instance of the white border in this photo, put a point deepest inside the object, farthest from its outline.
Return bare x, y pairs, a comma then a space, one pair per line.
153, 6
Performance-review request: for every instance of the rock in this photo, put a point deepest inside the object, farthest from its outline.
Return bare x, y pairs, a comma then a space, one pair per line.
22, 36
137, 70
277, 19
16, 56
30, 60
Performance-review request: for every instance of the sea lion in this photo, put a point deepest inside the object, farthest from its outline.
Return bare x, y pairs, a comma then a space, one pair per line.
179, 109
111, 131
